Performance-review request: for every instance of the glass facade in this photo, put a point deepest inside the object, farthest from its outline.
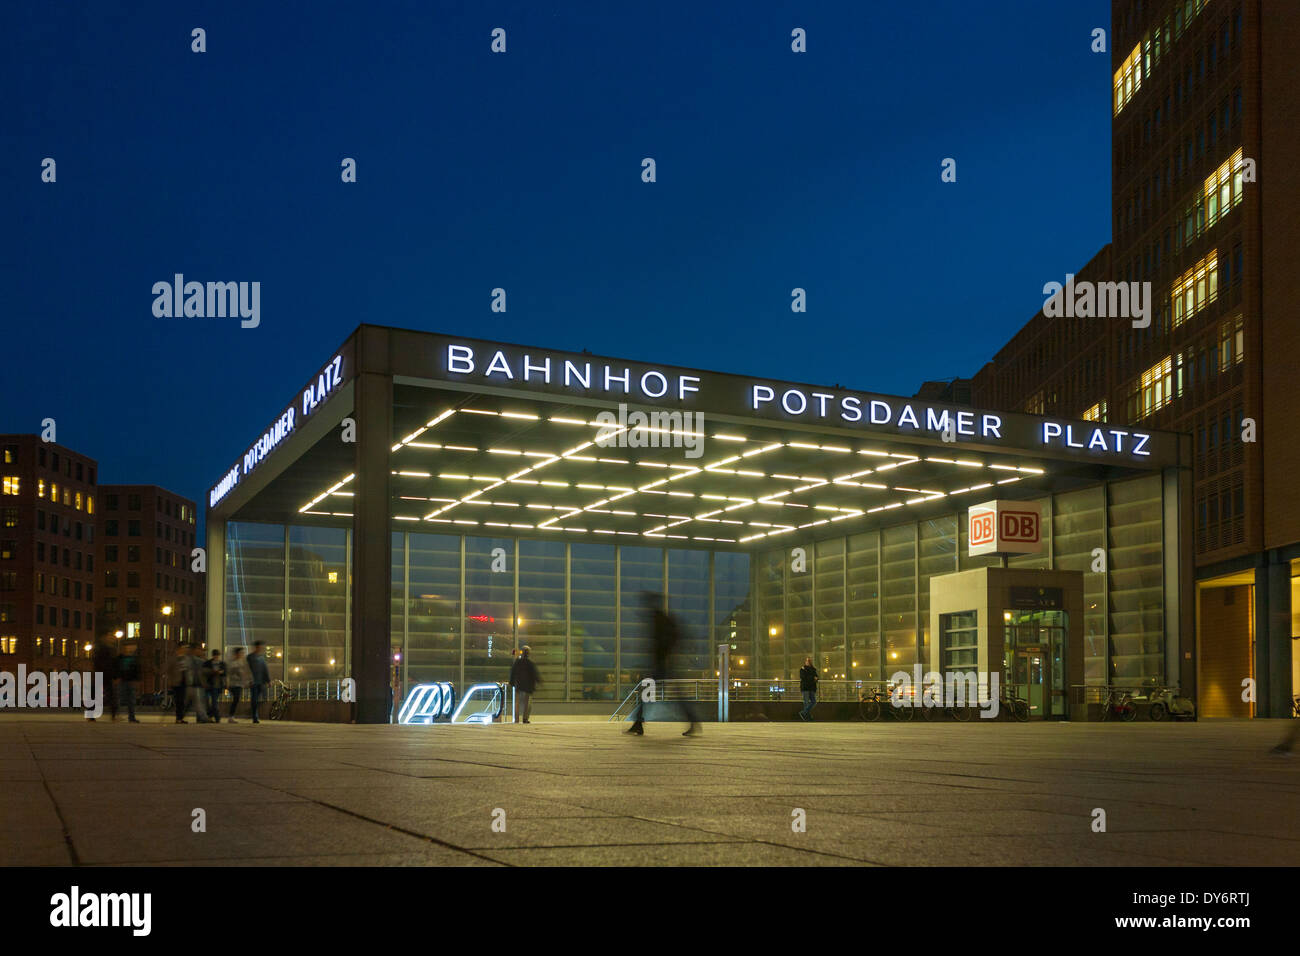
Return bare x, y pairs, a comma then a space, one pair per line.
857, 604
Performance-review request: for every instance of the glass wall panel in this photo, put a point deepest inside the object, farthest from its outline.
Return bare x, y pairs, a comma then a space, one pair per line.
593, 586
489, 609
898, 582
642, 571
433, 609
1077, 522
318, 584
1136, 580
397, 612
863, 606
798, 607
829, 590
688, 601
255, 589
769, 637
731, 610
542, 624
938, 543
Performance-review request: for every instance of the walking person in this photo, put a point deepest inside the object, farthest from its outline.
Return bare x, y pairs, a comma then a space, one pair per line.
195, 691
237, 678
103, 662
666, 634
808, 687
177, 669
260, 676
214, 682
128, 675
524, 678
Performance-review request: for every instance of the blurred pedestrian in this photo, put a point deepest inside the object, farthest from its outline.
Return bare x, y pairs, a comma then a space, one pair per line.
524, 679
103, 663
237, 678
808, 687
214, 682
195, 690
260, 677
128, 675
177, 669
665, 634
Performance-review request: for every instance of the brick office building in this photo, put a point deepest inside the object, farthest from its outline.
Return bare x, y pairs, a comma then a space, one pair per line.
48, 555
1205, 207
148, 588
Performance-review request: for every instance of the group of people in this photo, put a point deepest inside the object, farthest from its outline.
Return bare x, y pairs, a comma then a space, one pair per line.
198, 683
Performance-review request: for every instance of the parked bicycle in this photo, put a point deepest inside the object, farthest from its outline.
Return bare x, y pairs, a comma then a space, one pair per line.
280, 706
1011, 703
874, 703
1119, 704
954, 710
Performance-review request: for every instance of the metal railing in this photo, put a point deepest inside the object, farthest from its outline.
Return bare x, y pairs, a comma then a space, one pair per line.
749, 689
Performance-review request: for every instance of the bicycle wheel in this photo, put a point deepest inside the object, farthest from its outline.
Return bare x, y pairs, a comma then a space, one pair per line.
1020, 710
929, 713
1105, 709
904, 712
961, 712
1129, 713
870, 709
1158, 711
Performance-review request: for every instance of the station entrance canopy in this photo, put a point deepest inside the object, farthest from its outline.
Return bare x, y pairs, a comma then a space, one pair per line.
412, 431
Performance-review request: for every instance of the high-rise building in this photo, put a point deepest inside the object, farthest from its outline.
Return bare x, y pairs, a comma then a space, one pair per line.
1205, 208
47, 555
148, 590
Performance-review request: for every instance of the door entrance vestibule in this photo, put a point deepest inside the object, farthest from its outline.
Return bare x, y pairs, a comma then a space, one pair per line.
1024, 625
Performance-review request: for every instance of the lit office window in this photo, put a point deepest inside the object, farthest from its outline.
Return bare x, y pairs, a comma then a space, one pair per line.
1232, 343
1128, 78
90, 504
1096, 414
1155, 388
1223, 188
1196, 288
77, 501
40, 487
11, 484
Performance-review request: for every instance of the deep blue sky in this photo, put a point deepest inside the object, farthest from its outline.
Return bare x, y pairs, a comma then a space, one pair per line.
522, 170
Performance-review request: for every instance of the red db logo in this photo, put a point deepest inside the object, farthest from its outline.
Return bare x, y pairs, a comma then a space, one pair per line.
1020, 526
981, 528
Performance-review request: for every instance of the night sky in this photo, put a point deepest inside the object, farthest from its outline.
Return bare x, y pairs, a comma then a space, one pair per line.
523, 170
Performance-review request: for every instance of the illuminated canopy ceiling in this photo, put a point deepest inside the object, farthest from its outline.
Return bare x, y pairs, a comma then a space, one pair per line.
516, 441
510, 466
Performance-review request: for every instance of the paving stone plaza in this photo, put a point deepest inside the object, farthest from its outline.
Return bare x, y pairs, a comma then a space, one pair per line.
579, 792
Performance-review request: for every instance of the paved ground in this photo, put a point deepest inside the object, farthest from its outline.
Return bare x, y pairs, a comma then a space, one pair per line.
580, 792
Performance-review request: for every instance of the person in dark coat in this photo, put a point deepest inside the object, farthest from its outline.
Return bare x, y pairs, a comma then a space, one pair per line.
102, 662
665, 634
808, 687
524, 678
128, 675
260, 676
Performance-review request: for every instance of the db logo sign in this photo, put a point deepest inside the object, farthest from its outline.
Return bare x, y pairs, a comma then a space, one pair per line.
1005, 527
1019, 526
